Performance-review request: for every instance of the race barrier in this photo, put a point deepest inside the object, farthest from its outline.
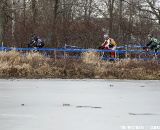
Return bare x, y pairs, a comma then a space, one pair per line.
122, 52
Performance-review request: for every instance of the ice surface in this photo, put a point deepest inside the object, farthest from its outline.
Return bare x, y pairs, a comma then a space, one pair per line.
79, 104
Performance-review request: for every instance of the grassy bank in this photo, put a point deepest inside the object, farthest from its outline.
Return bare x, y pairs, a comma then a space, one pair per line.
34, 65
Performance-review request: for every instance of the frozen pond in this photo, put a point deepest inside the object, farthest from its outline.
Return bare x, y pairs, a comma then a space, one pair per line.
79, 105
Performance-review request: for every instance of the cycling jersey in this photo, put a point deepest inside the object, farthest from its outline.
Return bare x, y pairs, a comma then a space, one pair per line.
154, 44
153, 41
110, 43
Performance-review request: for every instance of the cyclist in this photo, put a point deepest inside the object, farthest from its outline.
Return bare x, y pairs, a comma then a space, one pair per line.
109, 44
36, 41
153, 44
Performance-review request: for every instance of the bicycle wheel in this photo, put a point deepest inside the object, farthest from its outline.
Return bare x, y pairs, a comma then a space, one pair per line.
146, 55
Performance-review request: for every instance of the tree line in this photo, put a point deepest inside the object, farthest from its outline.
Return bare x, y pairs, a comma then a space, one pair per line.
78, 22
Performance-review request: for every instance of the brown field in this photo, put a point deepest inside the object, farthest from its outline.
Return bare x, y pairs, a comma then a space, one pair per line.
35, 65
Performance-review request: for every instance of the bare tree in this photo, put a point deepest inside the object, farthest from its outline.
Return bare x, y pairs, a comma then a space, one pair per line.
24, 14
2, 20
155, 10
78, 22
120, 17
34, 13
87, 9
13, 19
55, 14
111, 8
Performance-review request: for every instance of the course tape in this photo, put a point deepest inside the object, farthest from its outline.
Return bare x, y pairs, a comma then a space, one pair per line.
76, 50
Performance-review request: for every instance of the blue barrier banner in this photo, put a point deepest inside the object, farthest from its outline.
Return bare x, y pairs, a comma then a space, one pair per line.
77, 50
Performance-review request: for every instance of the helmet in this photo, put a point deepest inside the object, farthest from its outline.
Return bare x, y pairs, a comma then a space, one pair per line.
150, 36
35, 37
106, 36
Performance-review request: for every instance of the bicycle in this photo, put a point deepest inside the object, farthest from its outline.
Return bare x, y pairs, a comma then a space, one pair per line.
109, 54
148, 54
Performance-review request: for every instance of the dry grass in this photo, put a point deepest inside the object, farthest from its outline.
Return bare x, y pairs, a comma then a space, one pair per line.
91, 57
34, 65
